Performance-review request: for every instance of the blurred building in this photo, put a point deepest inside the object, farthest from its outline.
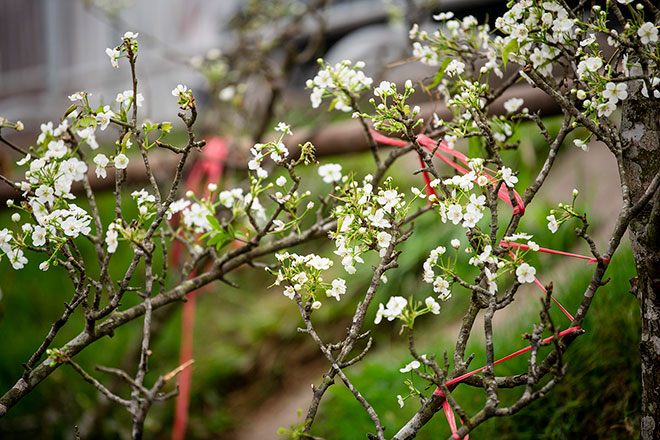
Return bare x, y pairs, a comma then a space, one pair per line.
52, 48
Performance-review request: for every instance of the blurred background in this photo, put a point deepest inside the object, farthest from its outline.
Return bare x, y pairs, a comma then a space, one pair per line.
247, 62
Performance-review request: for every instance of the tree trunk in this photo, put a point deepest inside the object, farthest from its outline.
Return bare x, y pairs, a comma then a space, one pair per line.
641, 125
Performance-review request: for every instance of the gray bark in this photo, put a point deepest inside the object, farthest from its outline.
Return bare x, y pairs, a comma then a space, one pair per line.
641, 159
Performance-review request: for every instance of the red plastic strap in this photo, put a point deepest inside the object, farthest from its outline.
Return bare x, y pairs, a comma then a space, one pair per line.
505, 358
431, 145
538, 283
185, 377
430, 191
449, 413
550, 251
207, 169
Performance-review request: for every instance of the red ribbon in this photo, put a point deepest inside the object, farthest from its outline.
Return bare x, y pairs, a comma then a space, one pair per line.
438, 147
207, 169
449, 413
550, 251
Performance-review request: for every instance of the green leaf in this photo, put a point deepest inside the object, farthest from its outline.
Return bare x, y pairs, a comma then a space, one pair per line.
214, 222
86, 121
69, 110
333, 103
166, 127
512, 46
441, 72
474, 146
124, 140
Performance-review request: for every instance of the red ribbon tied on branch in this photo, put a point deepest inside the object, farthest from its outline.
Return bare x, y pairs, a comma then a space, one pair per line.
442, 147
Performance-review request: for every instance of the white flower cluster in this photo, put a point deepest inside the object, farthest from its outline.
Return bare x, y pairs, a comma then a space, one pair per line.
365, 219
303, 275
394, 309
562, 214
527, 21
341, 82
524, 272
127, 97
392, 107
398, 307
276, 150
460, 206
47, 187
116, 53
442, 46
440, 284
194, 214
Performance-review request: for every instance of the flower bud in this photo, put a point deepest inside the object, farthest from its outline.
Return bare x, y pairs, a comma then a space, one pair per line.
16, 217
212, 187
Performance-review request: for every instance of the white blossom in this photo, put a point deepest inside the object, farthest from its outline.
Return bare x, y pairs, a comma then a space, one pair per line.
433, 305
581, 144
552, 223
338, 288
394, 307
414, 365
289, 292
615, 92
648, 33
103, 118
111, 239
508, 177
606, 108
525, 273
101, 161
455, 213
179, 89
113, 54
513, 104
284, 128
121, 161
16, 258
56, 149
330, 172
39, 236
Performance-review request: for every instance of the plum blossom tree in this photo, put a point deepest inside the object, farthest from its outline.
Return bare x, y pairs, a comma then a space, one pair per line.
558, 49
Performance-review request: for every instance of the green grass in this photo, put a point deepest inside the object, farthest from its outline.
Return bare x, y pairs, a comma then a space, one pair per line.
599, 398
